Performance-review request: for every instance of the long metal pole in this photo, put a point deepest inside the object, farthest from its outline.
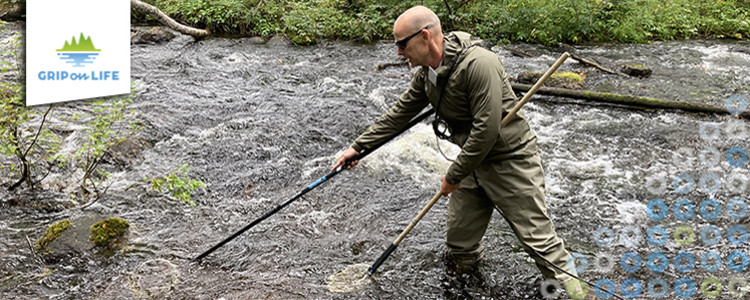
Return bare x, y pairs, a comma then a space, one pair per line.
323, 179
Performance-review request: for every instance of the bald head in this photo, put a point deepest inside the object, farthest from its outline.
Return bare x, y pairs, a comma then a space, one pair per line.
416, 18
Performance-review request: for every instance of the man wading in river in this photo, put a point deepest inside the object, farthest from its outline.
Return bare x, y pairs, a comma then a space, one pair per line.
469, 89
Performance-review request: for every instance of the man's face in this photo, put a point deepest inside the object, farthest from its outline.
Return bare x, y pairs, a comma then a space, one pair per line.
411, 45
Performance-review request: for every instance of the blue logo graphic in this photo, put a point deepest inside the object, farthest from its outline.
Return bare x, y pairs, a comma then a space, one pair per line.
80, 52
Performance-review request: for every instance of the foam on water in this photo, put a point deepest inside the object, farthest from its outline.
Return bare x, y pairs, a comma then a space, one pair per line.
353, 278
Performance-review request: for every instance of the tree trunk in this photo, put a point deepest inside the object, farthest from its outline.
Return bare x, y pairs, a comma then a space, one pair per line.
166, 20
630, 100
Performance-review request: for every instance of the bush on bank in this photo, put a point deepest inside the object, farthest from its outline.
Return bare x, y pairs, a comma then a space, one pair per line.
535, 21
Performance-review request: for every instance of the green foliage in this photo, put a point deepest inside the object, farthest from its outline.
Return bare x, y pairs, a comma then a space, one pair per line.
538, 21
52, 233
112, 123
218, 16
105, 231
23, 134
178, 184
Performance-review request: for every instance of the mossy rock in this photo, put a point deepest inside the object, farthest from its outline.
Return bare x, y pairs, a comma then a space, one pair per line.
75, 243
635, 70
566, 80
52, 233
106, 231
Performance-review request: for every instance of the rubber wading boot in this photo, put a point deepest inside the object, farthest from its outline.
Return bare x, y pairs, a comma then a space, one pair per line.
462, 262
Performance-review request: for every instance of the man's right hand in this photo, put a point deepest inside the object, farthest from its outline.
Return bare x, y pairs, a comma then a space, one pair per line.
348, 154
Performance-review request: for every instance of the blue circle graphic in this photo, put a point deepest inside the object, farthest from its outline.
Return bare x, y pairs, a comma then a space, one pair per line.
736, 150
711, 189
733, 265
736, 208
710, 209
657, 262
578, 262
710, 235
663, 288
684, 261
657, 235
626, 290
737, 230
684, 287
604, 288
689, 208
735, 104
636, 261
683, 183
657, 210
711, 256
601, 240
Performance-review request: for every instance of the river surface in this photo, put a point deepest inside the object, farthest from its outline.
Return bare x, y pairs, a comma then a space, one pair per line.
259, 122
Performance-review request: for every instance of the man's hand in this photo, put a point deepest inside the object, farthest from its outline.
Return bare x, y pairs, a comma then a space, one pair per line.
348, 154
447, 188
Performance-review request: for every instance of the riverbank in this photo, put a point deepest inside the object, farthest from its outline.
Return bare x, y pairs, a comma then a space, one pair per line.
533, 21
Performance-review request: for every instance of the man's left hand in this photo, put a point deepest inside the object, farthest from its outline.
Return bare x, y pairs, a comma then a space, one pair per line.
447, 188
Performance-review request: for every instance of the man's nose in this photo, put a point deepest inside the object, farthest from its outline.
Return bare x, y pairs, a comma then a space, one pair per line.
399, 51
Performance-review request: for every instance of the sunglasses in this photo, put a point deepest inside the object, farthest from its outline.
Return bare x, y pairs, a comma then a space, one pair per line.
402, 42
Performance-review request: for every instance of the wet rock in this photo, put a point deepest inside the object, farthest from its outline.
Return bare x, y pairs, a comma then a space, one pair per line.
256, 40
278, 40
128, 152
153, 35
740, 49
11, 11
106, 232
67, 239
635, 70
566, 80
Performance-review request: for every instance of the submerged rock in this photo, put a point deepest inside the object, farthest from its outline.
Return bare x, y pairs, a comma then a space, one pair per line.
566, 80
635, 70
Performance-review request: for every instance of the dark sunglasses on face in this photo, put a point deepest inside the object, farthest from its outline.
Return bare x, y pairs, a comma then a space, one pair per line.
402, 42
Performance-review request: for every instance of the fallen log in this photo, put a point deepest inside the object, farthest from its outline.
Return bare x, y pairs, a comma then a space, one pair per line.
167, 21
630, 100
595, 65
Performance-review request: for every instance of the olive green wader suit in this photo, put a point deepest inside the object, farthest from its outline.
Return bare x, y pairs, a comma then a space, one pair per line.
504, 161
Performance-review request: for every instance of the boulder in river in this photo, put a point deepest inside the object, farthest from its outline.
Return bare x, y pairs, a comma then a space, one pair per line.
635, 70
81, 237
153, 35
566, 80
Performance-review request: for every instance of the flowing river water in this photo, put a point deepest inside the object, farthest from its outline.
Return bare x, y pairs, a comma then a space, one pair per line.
259, 122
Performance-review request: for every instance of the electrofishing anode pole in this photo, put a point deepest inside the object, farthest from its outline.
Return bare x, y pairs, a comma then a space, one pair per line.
323, 179
503, 123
